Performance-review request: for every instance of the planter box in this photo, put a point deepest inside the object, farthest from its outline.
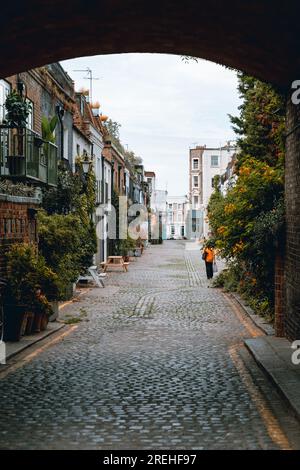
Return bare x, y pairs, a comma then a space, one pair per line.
13, 320
138, 252
69, 291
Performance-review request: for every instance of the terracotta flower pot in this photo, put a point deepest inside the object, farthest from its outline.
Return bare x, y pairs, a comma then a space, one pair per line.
37, 323
30, 322
13, 320
44, 321
24, 324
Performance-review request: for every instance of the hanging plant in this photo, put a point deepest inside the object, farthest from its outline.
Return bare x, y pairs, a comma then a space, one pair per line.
17, 109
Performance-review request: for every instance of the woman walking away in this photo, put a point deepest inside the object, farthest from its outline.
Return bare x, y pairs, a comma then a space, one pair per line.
209, 257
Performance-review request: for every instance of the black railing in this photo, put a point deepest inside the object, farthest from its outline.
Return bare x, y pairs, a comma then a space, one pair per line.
24, 155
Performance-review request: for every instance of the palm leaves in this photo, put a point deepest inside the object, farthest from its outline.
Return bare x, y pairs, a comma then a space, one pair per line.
48, 128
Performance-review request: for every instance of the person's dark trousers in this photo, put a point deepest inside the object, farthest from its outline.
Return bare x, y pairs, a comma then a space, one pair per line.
209, 270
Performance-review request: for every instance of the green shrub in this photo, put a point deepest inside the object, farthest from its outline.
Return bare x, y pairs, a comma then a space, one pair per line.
26, 272
67, 246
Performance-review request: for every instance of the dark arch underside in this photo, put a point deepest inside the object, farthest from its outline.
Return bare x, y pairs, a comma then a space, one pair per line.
261, 37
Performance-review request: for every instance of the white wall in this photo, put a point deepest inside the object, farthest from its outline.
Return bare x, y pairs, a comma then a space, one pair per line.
176, 216
80, 144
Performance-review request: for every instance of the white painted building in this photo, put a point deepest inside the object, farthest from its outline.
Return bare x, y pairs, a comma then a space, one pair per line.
88, 137
204, 164
177, 211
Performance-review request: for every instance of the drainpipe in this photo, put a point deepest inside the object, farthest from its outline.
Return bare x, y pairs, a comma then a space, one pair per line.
102, 180
60, 114
112, 175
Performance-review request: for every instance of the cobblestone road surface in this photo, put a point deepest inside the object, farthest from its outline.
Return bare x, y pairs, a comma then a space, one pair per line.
157, 362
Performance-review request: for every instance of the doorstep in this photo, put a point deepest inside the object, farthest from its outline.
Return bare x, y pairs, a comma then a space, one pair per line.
274, 356
15, 347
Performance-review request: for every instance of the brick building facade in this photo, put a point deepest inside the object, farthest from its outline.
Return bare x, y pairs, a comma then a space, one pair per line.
17, 223
292, 198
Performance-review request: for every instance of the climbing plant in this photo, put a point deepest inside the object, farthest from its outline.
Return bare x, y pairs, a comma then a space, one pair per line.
247, 222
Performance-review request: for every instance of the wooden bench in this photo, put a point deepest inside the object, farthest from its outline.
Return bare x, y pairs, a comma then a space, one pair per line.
126, 266
114, 262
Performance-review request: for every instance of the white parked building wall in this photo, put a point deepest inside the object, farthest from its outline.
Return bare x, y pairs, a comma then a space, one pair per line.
177, 211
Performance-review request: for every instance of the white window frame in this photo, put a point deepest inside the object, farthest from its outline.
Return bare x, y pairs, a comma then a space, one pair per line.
5, 89
29, 120
211, 161
195, 167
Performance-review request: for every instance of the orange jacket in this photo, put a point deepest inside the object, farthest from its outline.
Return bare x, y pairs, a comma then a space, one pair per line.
210, 255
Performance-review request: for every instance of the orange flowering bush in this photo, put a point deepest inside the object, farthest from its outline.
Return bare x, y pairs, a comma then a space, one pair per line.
247, 221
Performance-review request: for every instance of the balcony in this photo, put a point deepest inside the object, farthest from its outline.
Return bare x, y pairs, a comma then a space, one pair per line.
25, 156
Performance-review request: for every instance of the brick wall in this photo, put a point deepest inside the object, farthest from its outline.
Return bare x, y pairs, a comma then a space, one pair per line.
16, 224
279, 293
33, 84
292, 186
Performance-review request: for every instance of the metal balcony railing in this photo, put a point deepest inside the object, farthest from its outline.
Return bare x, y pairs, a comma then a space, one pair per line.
24, 155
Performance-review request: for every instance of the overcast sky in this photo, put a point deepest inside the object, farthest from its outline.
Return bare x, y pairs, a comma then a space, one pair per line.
165, 106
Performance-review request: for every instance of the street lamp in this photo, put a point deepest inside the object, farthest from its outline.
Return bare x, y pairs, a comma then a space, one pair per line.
85, 167
86, 164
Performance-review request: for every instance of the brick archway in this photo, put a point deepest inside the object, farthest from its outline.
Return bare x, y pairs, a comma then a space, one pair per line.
259, 36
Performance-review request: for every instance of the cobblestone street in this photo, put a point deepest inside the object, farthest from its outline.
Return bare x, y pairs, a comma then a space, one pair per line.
157, 361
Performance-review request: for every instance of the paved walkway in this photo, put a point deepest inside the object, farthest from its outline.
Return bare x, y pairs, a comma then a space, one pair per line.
157, 361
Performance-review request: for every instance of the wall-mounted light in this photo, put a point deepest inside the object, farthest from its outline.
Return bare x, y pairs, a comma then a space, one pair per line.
85, 167
86, 164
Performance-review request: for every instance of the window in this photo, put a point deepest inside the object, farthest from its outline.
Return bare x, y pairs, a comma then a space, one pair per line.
195, 163
149, 180
81, 105
66, 144
78, 150
4, 91
179, 207
182, 230
29, 120
195, 181
214, 160
172, 230
179, 217
175, 206
196, 199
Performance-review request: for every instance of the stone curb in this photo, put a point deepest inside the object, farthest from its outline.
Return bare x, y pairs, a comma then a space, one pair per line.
258, 321
273, 356
27, 341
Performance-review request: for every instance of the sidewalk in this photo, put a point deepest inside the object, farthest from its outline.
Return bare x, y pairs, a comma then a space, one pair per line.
13, 348
274, 356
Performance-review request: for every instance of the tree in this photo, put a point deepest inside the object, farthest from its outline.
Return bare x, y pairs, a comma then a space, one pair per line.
247, 223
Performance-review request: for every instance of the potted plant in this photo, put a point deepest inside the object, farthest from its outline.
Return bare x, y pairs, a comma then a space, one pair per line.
125, 247
26, 273
43, 311
17, 109
16, 116
29, 322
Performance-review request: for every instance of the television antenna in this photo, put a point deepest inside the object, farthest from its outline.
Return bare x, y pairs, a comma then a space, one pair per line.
89, 77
